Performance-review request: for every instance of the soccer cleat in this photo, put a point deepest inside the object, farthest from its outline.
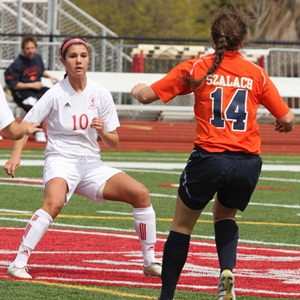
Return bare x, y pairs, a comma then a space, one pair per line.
40, 137
225, 287
153, 270
14, 271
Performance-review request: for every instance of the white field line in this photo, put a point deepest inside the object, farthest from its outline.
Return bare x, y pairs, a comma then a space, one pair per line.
158, 165
164, 196
181, 286
191, 269
108, 212
184, 158
133, 236
161, 233
115, 158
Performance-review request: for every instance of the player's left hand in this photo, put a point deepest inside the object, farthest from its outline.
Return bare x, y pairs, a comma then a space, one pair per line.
98, 124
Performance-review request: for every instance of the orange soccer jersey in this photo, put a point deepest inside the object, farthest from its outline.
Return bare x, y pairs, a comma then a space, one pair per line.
226, 103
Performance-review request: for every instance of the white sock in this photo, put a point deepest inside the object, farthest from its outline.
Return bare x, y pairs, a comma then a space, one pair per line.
145, 227
34, 231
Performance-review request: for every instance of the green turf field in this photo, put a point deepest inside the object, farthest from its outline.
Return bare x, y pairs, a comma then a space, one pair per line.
272, 218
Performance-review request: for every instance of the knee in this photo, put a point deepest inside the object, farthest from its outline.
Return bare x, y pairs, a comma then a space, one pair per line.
143, 193
53, 208
223, 215
142, 197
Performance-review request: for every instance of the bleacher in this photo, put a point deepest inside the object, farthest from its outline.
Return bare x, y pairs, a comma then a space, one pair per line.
168, 51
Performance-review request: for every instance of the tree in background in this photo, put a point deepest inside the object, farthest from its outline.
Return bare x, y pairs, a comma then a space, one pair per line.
153, 18
272, 19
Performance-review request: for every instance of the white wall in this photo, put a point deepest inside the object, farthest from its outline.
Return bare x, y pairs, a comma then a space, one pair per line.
123, 82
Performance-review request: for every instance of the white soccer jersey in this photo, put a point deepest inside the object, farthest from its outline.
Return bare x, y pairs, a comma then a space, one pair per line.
69, 114
6, 115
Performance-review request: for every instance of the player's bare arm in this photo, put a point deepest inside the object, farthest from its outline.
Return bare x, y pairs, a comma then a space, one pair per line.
110, 139
14, 162
286, 123
16, 131
143, 93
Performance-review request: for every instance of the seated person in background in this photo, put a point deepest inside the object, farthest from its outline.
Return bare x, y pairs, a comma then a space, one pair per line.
23, 78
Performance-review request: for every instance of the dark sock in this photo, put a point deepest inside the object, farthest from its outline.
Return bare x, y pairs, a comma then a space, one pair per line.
226, 236
174, 257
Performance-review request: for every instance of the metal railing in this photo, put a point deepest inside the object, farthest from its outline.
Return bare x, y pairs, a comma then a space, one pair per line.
51, 21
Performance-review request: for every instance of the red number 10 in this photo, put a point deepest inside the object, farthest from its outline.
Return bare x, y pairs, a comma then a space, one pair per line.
83, 122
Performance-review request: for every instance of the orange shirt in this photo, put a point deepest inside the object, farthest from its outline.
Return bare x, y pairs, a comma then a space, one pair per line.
226, 103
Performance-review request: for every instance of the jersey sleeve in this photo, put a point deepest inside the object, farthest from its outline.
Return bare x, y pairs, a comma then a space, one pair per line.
171, 85
108, 112
6, 115
272, 100
41, 108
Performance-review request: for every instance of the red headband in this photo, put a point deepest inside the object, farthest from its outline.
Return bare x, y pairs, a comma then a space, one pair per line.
72, 41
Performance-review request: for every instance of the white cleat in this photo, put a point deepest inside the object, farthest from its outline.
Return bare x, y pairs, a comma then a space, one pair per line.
17, 272
153, 270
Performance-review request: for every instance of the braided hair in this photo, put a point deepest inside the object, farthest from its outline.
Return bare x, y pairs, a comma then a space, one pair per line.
228, 31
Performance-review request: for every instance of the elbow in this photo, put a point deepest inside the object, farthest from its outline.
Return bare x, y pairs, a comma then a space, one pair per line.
288, 119
287, 122
146, 95
143, 100
111, 142
112, 145
116, 142
18, 137
140, 97
13, 133
15, 137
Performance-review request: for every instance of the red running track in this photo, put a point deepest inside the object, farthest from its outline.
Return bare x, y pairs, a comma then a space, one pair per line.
179, 136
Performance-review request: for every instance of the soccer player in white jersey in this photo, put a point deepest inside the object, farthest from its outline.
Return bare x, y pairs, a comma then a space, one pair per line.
78, 110
9, 126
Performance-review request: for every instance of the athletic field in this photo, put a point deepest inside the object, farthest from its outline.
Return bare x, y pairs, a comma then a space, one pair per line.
92, 252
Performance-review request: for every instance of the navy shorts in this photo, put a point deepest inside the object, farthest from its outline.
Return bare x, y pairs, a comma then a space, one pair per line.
232, 176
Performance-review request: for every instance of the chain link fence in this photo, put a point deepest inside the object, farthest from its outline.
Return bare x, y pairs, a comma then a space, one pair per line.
51, 21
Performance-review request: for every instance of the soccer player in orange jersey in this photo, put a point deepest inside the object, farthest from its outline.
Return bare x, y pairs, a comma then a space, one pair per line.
225, 162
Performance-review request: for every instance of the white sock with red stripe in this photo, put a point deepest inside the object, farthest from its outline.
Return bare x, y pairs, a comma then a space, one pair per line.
34, 231
145, 227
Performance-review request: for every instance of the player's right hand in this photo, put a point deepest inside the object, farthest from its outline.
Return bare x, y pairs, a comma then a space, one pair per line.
11, 166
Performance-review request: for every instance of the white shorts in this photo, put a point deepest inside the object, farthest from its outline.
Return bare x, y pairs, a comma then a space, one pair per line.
84, 176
